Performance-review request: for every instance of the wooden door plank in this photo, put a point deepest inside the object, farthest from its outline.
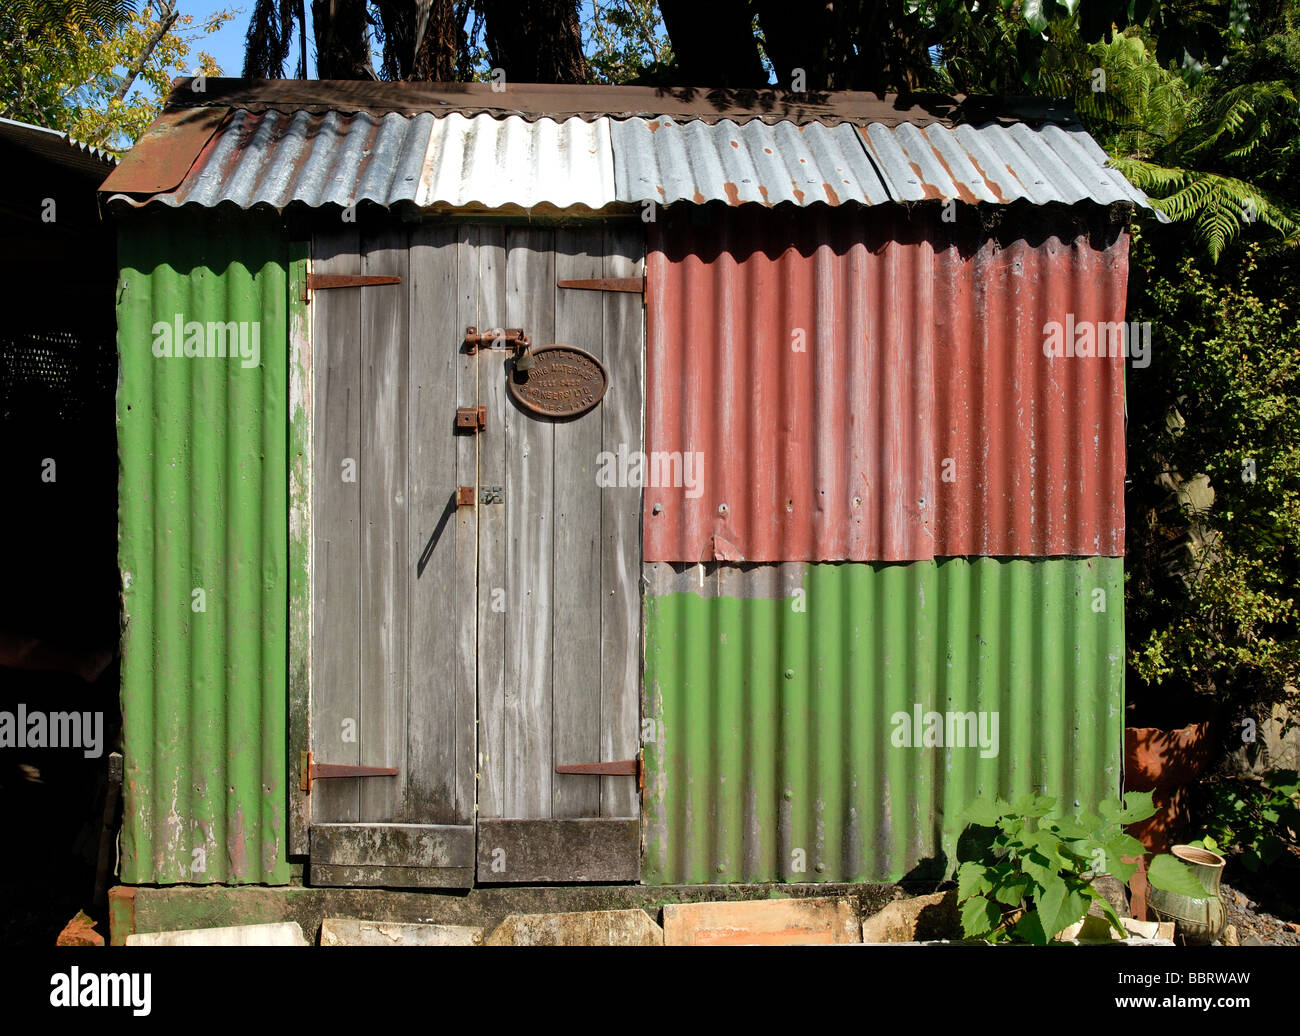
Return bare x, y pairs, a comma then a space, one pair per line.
439, 686
350, 876
483, 304
393, 845
530, 525
588, 849
576, 648
464, 589
382, 475
620, 564
336, 525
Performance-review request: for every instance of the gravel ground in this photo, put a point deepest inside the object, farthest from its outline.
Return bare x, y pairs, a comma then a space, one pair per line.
1252, 921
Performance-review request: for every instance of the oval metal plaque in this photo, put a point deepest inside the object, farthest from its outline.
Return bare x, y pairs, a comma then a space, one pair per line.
564, 381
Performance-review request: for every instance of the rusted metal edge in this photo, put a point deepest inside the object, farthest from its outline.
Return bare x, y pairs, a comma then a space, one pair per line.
635, 285
166, 151
564, 100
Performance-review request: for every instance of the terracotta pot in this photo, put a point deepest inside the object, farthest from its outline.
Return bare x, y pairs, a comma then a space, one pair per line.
1164, 762
1201, 920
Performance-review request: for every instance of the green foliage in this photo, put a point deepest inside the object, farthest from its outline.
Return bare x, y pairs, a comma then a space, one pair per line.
1214, 508
625, 42
1031, 876
1259, 817
68, 76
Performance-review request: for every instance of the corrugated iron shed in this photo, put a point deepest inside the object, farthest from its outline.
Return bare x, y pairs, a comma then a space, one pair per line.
283, 151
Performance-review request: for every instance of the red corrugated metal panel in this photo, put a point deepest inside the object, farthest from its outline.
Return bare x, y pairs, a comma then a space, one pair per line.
823, 366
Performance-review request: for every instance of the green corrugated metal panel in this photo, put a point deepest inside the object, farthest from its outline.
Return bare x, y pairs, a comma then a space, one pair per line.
203, 506
777, 687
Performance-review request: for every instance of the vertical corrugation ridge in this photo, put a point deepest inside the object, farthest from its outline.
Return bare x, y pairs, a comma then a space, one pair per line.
752, 680
203, 507
869, 388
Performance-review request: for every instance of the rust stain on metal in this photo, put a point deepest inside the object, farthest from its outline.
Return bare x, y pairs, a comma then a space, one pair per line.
931, 191
989, 183
564, 381
698, 198
733, 195
831, 196
963, 191
735, 143
763, 191
920, 417
797, 193
653, 125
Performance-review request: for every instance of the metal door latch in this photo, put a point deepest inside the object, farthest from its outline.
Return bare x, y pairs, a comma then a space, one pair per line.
492, 495
473, 418
495, 338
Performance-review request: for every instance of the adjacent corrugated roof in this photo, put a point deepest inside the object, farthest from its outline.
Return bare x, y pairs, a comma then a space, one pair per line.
57, 147
277, 157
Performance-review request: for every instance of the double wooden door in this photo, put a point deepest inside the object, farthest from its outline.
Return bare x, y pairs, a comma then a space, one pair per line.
476, 591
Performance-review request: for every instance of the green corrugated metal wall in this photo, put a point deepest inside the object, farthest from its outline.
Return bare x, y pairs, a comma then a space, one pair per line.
203, 506
775, 710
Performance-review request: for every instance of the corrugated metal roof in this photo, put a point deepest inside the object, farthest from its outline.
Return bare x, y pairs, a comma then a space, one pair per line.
58, 147
871, 386
995, 164
668, 161
275, 158
499, 162
270, 158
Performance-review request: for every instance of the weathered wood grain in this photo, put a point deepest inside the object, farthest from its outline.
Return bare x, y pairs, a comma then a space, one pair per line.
437, 753
530, 530
576, 631
393, 845
348, 876
336, 526
382, 474
590, 849
620, 513
483, 305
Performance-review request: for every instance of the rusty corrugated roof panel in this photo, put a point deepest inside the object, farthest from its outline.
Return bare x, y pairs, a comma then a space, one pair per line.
272, 158
667, 160
873, 387
272, 153
995, 164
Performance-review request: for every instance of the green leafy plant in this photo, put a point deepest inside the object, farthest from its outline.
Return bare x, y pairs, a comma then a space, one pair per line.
1258, 817
1031, 875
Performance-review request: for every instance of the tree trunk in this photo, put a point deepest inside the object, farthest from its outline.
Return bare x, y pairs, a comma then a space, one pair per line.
536, 41
713, 43
342, 39
439, 45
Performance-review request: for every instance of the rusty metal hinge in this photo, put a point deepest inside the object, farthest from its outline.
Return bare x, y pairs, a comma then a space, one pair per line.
618, 768
325, 281
309, 771
495, 338
635, 285
465, 496
473, 418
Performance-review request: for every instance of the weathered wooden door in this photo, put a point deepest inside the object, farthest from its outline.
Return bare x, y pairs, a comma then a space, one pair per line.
559, 629
476, 593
